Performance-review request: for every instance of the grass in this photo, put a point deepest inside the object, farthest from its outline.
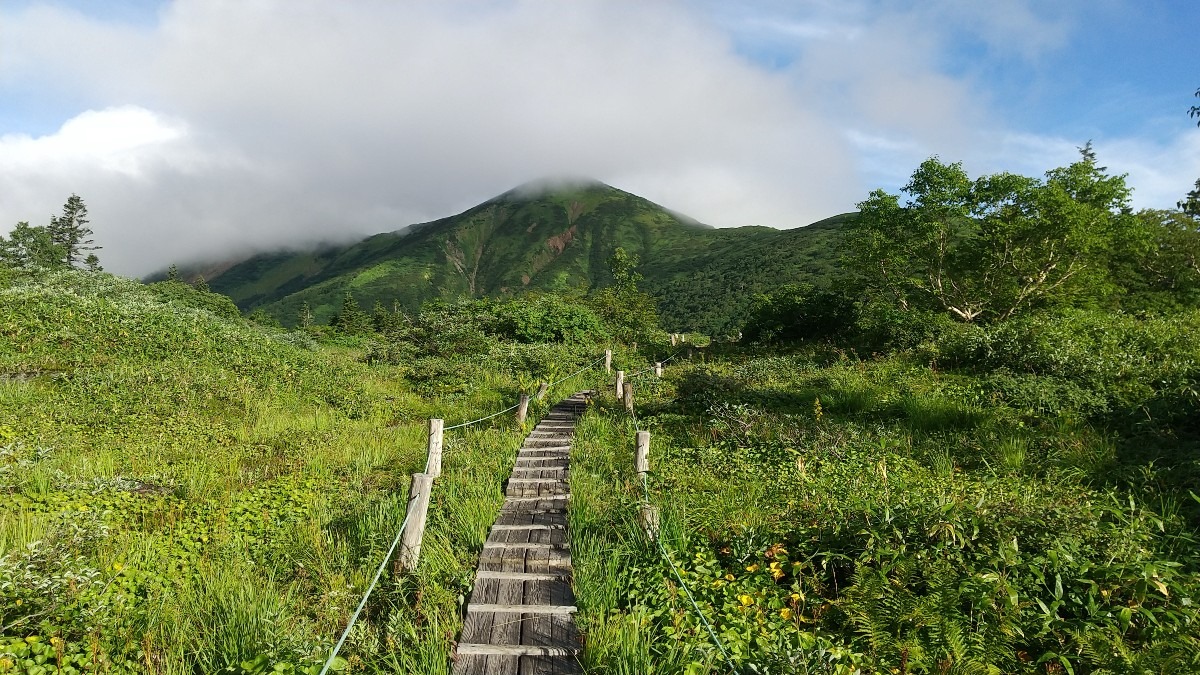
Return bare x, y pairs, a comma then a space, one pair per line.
843, 515
187, 493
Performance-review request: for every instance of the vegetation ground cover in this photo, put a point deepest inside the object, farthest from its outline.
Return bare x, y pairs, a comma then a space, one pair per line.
184, 492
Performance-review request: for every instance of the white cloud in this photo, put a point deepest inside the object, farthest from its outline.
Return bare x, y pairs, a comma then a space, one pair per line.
302, 119
230, 125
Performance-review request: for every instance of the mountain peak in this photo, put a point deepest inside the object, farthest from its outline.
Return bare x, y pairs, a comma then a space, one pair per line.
553, 185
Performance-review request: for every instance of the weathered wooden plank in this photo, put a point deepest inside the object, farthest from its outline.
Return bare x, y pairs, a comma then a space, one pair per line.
501, 608
520, 617
522, 576
472, 649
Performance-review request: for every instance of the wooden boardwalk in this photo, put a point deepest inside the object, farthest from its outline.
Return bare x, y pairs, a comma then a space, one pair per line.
520, 619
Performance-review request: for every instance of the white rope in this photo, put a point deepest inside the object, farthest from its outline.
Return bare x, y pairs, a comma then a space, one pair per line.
650, 368
482, 419
590, 365
362, 603
514, 407
667, 559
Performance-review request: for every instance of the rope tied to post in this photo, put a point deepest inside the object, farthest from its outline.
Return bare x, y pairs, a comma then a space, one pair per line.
712, 633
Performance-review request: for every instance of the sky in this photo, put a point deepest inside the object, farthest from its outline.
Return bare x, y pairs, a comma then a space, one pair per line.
204, 129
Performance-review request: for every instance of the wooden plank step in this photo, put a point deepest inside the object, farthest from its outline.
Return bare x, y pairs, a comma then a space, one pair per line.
526, 544
476, 649
522, 576
528, 527
478, 607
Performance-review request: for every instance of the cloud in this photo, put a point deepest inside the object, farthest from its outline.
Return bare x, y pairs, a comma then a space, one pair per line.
285, 122
222, 126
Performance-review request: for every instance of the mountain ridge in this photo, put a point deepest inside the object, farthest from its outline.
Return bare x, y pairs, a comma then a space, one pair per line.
545, 235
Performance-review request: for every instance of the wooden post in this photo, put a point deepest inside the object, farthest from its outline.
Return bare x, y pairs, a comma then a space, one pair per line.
608, 360
658, 370
620, 383
633, 347
418, 508
649, 518
648, 513
542, 390
674, 339
523, 409
433, 463
628, 396
643, 451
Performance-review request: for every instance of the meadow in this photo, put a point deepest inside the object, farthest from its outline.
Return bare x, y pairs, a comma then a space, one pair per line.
185, 492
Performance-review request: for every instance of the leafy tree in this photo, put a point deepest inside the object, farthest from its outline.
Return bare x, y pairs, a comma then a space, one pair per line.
70, 231
799, 312
1191, 203
992, 247
631, 314
30, 248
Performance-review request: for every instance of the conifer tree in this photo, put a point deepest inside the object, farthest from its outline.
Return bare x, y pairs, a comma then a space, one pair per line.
352, 320
71, 233
200, 284
173, 273
305, 317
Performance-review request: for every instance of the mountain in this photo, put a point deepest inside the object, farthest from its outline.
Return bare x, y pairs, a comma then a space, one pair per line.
543, 237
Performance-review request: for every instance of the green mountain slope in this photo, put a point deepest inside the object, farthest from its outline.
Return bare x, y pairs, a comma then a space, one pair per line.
548, 239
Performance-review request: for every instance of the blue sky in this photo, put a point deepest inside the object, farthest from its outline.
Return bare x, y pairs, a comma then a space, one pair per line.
196, 128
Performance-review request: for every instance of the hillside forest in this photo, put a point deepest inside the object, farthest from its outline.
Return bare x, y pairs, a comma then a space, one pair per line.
965, 439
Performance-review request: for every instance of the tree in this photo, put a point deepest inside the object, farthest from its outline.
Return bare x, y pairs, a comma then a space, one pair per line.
173, 273
1191, 203
631, 315
305, 316
992, 247
70, 231
30, 248
352, 320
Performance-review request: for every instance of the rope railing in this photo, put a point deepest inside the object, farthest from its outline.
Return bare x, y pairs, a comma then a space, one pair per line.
363, 603
654, 366
515, 406
418, 504
651, 523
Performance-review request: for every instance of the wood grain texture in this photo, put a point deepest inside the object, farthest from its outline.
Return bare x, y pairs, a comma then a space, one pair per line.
520, 617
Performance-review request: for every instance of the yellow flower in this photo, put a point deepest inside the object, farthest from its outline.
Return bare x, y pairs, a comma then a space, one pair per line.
796, 597
746, 600
718, 583
785, 613
117, 567
752, 568
729, 577
776, 571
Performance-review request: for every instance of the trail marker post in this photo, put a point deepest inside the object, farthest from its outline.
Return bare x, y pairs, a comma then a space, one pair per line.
418, 509
433, 462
